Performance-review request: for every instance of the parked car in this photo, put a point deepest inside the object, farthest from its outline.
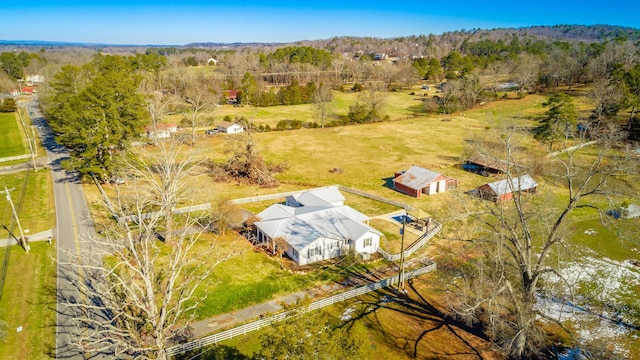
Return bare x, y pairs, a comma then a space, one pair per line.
211, 132
425, 87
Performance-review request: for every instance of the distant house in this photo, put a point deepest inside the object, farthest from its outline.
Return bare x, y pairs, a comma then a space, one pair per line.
212, 61
27, 90
161, 131
232, 96
418, 180
314, 229
34, 79
504, 190
630, 212
229, 127
15, 92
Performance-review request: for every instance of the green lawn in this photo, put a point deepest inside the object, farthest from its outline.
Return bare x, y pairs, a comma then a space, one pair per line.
28, 301
29, 288
368, 156
388, 330
251, 278
38, 210
11, 142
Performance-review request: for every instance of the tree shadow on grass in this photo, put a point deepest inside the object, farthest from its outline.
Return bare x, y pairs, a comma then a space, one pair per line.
414, 306
215, 352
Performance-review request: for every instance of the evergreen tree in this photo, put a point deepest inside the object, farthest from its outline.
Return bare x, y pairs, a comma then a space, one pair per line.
559, 121
100, 119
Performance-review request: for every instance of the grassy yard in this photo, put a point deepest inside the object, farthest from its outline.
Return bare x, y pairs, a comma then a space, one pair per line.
28, 302
38, 212
11, 139
29, 289
386, 329
392, 240
368, 156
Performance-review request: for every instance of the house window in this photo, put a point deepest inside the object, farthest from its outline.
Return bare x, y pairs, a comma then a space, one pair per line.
295, 254
368, 241
314, 251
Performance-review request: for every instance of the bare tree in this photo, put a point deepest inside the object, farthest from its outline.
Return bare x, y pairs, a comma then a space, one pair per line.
450, 94
161, 177
136, 292
406, 74
622, 55
374, 99
200, 95
471, 90
158, 106
322, 100
517, 239
496, 69
525, 70
606, 96
385, 72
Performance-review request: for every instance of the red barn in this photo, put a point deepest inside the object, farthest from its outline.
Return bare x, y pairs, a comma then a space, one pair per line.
417, 181
503, 190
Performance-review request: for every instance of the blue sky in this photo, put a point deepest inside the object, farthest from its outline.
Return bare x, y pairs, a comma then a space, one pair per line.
181, 22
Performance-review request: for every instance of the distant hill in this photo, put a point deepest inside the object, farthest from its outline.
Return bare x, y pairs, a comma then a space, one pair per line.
231, 45
43, 43
585, 33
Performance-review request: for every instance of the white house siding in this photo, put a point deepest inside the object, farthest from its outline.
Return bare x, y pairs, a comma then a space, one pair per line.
435, 187
321, 249
234, 129
370, 249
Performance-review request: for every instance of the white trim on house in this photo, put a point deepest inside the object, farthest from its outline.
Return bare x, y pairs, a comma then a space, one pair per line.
319, 231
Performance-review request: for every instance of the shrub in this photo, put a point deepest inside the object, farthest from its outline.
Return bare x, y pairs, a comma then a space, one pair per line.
8, 105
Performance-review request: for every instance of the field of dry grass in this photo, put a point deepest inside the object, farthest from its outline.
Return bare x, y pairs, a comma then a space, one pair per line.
368, 156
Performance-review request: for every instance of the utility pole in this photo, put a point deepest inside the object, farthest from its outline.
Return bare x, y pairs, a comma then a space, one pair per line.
32, 146
23, 240
401, 275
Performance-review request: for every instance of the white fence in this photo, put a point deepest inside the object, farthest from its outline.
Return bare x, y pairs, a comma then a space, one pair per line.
18, 157
188, 209
258, 324
422, 240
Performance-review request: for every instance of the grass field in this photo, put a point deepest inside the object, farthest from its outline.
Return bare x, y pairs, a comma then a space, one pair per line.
413, 328
11, 139
28, 302
368, 156
38, 212
29, 289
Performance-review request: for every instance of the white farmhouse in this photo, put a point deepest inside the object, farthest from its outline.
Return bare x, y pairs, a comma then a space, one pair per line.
316, 226
229, 127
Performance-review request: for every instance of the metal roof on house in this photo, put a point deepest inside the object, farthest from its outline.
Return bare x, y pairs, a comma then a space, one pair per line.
524, 182
417, 177
305, 225
226, 124
319, 197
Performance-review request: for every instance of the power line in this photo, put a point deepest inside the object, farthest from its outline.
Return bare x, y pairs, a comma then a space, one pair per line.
22, 240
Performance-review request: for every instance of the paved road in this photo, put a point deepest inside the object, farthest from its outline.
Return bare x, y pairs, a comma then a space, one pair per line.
73, 223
